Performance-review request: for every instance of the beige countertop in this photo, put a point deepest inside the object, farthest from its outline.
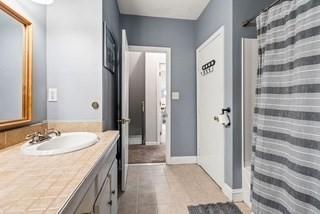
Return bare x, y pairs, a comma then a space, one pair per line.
30, 184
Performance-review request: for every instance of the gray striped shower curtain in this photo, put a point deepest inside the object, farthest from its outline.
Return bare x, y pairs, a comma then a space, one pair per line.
286, 142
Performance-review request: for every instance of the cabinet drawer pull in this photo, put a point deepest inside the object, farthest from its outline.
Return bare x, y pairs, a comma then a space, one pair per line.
113, 192
110, 203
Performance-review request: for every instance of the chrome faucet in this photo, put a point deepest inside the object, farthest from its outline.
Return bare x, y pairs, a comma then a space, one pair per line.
49, 132
38, 137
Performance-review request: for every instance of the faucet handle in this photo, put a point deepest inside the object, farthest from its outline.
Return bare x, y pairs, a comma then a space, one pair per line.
32, 136
46, 131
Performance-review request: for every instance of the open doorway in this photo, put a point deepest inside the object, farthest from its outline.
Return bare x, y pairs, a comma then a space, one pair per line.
149, 104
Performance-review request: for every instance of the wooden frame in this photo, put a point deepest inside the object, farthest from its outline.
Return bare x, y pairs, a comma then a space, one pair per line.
27, 70
108, 39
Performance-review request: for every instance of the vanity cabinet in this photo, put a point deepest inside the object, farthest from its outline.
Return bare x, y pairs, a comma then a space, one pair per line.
103, 203
86, 205
101, 199
99, 193
114, 189
106, 202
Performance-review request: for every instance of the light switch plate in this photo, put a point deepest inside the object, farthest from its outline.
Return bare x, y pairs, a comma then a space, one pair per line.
175, 95
52, 95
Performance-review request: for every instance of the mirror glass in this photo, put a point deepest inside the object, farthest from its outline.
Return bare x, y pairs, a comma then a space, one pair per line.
11, 68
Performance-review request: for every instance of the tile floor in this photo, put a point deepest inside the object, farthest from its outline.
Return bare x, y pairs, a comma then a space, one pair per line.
163, 189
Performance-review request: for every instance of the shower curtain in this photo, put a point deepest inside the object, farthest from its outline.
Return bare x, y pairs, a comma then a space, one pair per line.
286, 142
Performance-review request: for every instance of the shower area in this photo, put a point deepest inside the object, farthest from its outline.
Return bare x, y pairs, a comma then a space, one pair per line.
281, 109
249, 81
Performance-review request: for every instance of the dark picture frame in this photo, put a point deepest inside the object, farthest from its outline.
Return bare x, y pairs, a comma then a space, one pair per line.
109, 49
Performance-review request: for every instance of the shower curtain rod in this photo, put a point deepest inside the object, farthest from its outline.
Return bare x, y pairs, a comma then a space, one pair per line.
249, 22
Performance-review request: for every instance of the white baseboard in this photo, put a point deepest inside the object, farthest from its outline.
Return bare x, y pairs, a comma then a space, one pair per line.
233, 194
182, 160
150, 143
135, 140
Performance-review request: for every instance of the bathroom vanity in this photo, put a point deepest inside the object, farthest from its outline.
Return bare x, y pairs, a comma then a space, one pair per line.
81, 182
98, 192
66, 173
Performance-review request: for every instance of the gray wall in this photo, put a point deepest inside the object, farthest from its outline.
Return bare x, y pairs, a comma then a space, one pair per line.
217, 14
74, 59
136, 91
11, 67
180, 36
37, 15
109, 88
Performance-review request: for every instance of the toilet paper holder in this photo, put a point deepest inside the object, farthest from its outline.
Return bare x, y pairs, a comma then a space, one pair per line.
228, 110
225, 111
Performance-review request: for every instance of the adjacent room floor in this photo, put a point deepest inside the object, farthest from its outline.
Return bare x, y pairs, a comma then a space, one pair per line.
169, 189
147, 154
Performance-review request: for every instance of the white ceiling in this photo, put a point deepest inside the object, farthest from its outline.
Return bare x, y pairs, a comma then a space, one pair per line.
177, 9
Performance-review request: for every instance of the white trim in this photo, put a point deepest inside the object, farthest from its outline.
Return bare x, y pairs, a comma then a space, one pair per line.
242, 113
245, 193
166, 50
150, 143
246, 176
242, 101
234, 195
182, 160
135, 139
158, 105
206, 43
148, 164
211, 38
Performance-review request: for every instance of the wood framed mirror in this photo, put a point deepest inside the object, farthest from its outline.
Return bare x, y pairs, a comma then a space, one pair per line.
15, 69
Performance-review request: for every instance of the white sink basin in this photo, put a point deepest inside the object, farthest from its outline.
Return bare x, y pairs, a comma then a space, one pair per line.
67, 142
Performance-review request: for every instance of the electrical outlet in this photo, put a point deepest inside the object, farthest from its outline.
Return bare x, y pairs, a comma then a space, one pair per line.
52, 95
175, 95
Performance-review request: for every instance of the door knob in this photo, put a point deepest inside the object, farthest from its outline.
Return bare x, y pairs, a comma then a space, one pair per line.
142, 107
124, 121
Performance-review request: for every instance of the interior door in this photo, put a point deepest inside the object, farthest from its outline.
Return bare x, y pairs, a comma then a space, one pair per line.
210, 102
124, 109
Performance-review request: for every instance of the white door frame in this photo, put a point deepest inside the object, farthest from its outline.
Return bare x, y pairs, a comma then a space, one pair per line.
203, 45
167, 51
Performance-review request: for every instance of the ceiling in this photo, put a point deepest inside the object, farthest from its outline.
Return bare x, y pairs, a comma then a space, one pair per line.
177, 9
